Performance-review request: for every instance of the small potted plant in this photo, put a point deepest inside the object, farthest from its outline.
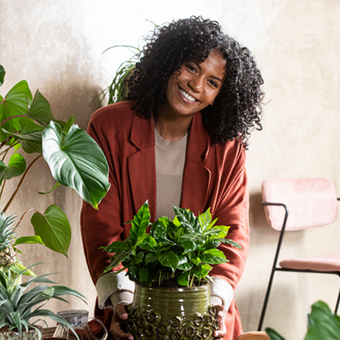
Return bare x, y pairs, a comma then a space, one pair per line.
170, 266
27, 126
18, 305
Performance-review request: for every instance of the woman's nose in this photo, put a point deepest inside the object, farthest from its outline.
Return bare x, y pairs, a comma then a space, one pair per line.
196, 84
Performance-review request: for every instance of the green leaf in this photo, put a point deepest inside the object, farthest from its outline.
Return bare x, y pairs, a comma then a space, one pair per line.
159, 229
144, 275
63, 290
168, 259
231, 242
183, 279
2, 75
139, 224
76, 161
15, 103
273, 335
117, 247
183, 263
192, 241
28, 240
119, 258
16, 167
212, 259
322, 323
149, 243
71, 121
187, 219
55, 186
205, 220
54, 229
40, 109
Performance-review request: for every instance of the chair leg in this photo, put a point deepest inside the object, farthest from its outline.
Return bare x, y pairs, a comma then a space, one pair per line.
263, 312
337, 304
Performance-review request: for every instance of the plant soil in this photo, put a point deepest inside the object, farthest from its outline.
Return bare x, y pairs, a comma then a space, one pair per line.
172, 283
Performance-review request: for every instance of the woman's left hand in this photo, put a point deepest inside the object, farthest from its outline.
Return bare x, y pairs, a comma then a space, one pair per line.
221, 313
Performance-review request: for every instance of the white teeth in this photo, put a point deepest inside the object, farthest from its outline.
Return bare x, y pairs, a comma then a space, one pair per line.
187, 96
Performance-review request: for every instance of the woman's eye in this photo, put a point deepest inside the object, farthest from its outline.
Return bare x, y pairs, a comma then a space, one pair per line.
213, 83
191, 68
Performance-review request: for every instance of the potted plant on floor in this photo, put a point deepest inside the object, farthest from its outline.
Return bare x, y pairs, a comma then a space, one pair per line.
27, 126
170, 266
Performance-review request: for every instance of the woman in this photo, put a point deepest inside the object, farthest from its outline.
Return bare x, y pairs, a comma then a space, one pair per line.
178, 139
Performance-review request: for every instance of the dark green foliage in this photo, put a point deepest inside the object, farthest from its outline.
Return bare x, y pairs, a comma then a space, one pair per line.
182, 249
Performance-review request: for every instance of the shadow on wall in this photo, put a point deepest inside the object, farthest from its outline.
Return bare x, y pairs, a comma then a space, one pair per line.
81, 101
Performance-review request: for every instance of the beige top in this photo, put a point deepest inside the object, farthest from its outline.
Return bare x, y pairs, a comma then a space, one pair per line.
170, 159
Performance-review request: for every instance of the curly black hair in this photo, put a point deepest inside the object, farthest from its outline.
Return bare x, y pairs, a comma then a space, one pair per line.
237, 108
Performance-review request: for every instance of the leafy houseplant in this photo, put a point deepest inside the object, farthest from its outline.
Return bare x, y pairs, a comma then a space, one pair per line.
174, 258
27, 126
19, 305
322, 324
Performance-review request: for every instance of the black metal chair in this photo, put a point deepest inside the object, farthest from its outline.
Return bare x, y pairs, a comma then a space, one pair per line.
311, 202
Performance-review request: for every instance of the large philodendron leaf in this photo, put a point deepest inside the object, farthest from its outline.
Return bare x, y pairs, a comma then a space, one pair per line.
322, 323
16, 167
76, 161
53, 228
15, 103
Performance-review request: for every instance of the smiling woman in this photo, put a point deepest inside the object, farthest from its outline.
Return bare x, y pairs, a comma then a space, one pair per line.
178, 139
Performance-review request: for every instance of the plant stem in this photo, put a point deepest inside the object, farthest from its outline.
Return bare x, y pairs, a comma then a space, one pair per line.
192, 280
20, 183
23, 215
17, 116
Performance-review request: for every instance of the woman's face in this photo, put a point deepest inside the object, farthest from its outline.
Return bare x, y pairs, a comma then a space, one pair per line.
195, 86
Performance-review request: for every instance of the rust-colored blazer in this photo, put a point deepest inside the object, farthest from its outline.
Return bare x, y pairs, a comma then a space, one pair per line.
214, 176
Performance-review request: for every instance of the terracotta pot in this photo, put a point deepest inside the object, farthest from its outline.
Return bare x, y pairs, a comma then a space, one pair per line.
171, 313
32, 334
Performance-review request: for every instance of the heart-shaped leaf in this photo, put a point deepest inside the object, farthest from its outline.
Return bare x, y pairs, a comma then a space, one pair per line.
54, 229
40, 110
16, 167
15, 103
76, 161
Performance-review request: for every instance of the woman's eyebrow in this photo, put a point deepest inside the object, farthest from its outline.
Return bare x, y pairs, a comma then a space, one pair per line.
214, 77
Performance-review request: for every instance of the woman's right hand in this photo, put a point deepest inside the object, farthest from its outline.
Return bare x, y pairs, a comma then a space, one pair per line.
119, 315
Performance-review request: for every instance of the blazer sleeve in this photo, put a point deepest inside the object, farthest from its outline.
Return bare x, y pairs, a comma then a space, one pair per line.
103, 226
232, 208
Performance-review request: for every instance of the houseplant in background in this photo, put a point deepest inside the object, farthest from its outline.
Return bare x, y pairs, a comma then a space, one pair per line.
170, 266
27, 126
322, 325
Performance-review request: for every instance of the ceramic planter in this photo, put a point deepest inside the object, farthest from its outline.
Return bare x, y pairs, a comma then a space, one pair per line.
171, 313
32, 334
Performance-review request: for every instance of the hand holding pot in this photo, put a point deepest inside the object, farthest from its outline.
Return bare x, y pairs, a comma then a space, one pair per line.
221, 313
119, 316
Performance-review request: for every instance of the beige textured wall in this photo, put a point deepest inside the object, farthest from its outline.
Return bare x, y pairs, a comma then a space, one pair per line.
57, 47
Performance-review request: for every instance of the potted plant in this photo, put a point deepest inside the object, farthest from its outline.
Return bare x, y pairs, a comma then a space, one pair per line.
170, 266
18, 305
322, 324
27, 126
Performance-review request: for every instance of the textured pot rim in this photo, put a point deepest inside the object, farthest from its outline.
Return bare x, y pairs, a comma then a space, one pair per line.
175, 289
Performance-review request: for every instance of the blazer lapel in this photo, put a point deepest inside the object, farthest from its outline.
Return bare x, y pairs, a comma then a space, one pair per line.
141, 165
197, 176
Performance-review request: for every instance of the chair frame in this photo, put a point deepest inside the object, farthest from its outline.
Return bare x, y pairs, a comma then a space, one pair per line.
276, 268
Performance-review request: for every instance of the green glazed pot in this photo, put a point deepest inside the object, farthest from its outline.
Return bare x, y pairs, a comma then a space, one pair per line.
171, 313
